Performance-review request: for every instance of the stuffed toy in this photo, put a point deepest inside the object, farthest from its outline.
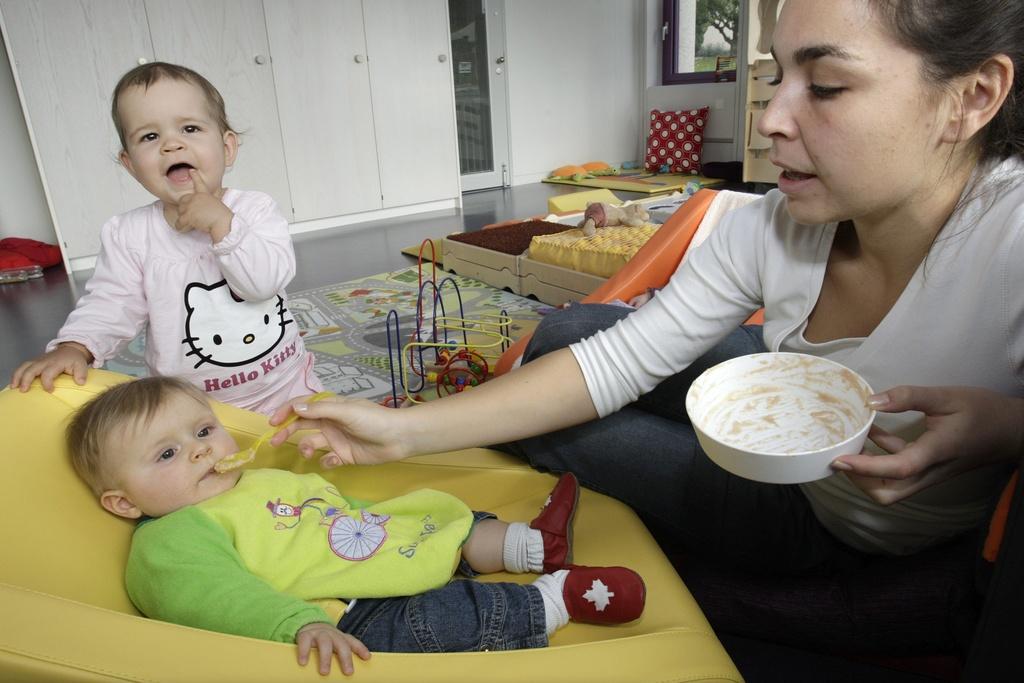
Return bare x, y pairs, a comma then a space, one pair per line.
601, 215
591, 169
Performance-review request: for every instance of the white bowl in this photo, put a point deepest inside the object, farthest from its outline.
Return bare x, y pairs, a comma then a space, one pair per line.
779, 417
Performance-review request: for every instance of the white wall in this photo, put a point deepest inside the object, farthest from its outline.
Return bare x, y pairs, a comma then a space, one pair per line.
23, 210
724, 133
574, 82
578, 77
720, 131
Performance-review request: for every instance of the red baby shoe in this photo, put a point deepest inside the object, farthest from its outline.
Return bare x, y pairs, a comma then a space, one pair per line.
555, 522
603, 595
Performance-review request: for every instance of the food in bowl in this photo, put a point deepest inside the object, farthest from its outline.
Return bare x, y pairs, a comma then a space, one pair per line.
779, 417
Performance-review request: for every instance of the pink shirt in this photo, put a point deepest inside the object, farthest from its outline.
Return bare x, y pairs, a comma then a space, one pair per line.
217, 314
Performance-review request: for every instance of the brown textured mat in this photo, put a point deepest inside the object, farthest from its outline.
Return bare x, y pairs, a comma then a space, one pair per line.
510, 239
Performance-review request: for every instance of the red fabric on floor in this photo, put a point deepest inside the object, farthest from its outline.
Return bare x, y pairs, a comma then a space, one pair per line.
36, 252
10, 259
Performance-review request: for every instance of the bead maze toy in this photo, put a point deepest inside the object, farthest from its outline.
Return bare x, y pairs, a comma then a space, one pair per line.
453, 353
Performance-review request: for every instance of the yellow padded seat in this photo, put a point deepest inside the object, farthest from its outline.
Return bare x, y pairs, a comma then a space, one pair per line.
67, 617
602, 254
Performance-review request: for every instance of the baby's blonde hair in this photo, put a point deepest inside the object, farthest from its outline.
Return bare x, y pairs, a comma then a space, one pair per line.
147, 74
88, 434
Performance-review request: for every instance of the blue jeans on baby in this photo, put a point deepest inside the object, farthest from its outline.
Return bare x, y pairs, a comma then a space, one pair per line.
647, 456
463, 616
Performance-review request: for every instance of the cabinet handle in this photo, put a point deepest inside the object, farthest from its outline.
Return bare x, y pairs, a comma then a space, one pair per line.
442, 58
500, 60
260, 59
360, 59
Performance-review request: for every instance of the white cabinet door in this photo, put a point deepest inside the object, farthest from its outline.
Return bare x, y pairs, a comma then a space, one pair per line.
323, 95
413, 100
67, 58
227, 43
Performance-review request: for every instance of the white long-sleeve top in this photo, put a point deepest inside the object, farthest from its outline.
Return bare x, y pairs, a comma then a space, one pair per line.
959, 321
217, 314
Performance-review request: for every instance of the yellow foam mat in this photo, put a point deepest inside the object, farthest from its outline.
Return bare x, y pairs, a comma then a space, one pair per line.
648, 184
601, 254
435, 254
68, 617
577, 201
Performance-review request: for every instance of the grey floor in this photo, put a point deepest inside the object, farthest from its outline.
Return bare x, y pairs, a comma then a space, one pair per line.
32, 312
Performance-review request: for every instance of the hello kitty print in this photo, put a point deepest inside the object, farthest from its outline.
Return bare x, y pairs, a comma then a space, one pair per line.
224, 330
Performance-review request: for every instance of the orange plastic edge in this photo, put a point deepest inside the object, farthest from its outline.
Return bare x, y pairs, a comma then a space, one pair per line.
997, 526
651, 266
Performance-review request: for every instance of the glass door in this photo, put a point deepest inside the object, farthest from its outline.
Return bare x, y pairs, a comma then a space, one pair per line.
478, 68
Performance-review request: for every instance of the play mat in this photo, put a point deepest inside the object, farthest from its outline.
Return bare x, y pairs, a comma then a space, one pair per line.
344, 326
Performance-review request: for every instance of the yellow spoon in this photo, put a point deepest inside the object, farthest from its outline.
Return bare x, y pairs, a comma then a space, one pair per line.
242, 457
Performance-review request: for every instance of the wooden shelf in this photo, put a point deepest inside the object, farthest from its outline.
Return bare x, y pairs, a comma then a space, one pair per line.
756, 167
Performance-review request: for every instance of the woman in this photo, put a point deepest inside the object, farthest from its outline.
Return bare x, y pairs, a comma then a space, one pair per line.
892, 246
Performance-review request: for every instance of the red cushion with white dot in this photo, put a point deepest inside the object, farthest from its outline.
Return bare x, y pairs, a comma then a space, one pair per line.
675, 139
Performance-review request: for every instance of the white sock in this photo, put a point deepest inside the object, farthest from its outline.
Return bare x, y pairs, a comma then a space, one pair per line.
524, 549
550, 586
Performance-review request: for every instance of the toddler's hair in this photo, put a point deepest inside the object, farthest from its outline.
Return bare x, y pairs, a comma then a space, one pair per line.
92, 425
147, 74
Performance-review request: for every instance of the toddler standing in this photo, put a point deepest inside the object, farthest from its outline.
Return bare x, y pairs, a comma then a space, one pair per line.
205, 267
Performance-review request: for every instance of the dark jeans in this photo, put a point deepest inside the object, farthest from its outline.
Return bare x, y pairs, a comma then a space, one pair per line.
647, 456
463, 616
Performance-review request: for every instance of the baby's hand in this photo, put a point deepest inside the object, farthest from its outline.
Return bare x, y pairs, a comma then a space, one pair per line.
327, 639
640, 299
68, 358
203, 210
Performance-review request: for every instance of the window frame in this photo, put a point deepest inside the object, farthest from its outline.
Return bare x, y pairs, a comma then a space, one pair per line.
670, 50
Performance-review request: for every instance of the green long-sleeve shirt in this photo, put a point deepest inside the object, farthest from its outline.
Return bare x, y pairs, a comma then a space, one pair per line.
247, 561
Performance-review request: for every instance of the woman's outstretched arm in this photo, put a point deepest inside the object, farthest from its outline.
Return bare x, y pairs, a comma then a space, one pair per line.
544, 395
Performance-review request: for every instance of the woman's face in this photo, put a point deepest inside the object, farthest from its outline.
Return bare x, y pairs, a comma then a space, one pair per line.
854, 127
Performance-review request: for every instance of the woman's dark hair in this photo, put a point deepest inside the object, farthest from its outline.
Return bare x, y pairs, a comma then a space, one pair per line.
955, 37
